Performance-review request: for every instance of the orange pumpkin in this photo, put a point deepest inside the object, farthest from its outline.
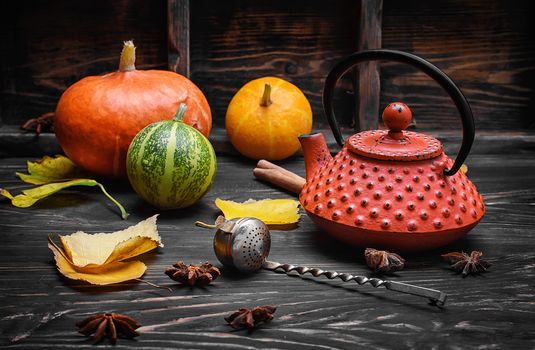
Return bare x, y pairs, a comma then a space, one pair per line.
98, 116
266, 116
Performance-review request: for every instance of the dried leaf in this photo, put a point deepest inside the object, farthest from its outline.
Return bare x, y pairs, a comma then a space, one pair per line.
53, 174
97, 258
101, 248
270, 211
114, 272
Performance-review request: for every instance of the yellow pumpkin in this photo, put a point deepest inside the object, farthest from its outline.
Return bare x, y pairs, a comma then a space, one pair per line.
266, 116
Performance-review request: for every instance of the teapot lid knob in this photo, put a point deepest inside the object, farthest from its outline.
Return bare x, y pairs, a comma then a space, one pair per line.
396, 143
397, 116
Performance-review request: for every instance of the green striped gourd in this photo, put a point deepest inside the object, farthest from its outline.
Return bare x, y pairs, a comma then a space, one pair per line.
170, 164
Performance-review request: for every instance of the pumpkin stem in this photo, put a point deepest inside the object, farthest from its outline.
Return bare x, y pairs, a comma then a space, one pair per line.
266, 97
128, 57
179, 116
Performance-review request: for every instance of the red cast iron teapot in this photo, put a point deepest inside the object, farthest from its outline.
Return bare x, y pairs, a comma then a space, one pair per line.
392, 189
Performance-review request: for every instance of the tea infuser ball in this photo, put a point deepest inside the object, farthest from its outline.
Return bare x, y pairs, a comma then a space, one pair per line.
244, 244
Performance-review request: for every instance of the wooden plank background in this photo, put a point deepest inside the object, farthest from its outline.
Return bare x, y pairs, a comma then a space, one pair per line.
487, 47
49, 45
235, 41
484, 45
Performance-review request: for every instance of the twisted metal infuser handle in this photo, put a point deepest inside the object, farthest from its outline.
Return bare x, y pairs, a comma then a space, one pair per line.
435, 296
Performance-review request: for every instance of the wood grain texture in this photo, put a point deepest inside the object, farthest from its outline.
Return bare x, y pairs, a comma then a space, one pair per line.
49, 45
17, 143
178, 26
495, 310
367, 84
490, 56
486, 47
235, 41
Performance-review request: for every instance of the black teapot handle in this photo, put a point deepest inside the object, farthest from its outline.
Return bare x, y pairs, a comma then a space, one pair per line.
418, 62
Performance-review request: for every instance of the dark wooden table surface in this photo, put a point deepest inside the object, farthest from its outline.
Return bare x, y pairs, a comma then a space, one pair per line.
495, 310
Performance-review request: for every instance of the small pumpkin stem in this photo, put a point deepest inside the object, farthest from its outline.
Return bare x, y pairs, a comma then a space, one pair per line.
128, 57
266, 97
179, 116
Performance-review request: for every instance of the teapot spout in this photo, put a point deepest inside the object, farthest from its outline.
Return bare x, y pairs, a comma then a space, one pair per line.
315, 152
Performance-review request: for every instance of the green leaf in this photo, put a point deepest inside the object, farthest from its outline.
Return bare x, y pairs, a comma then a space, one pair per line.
5, 193
50, 169
53, 174
30, 196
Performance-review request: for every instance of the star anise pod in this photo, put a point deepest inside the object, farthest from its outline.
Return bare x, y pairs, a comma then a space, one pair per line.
467, 264
45, 123
193, 275
111, 325
383, 261
250, 318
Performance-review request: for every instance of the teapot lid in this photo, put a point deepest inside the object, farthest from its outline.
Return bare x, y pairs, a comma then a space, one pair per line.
395, 143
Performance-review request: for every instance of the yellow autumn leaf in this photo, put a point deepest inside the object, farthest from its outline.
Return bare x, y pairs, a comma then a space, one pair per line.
97, 258
32, 195
50, 169
101, 275
270, 211
6, 193
85, 249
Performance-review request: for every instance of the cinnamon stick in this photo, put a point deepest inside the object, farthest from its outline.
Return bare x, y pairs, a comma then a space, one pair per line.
276, 175
264, 164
